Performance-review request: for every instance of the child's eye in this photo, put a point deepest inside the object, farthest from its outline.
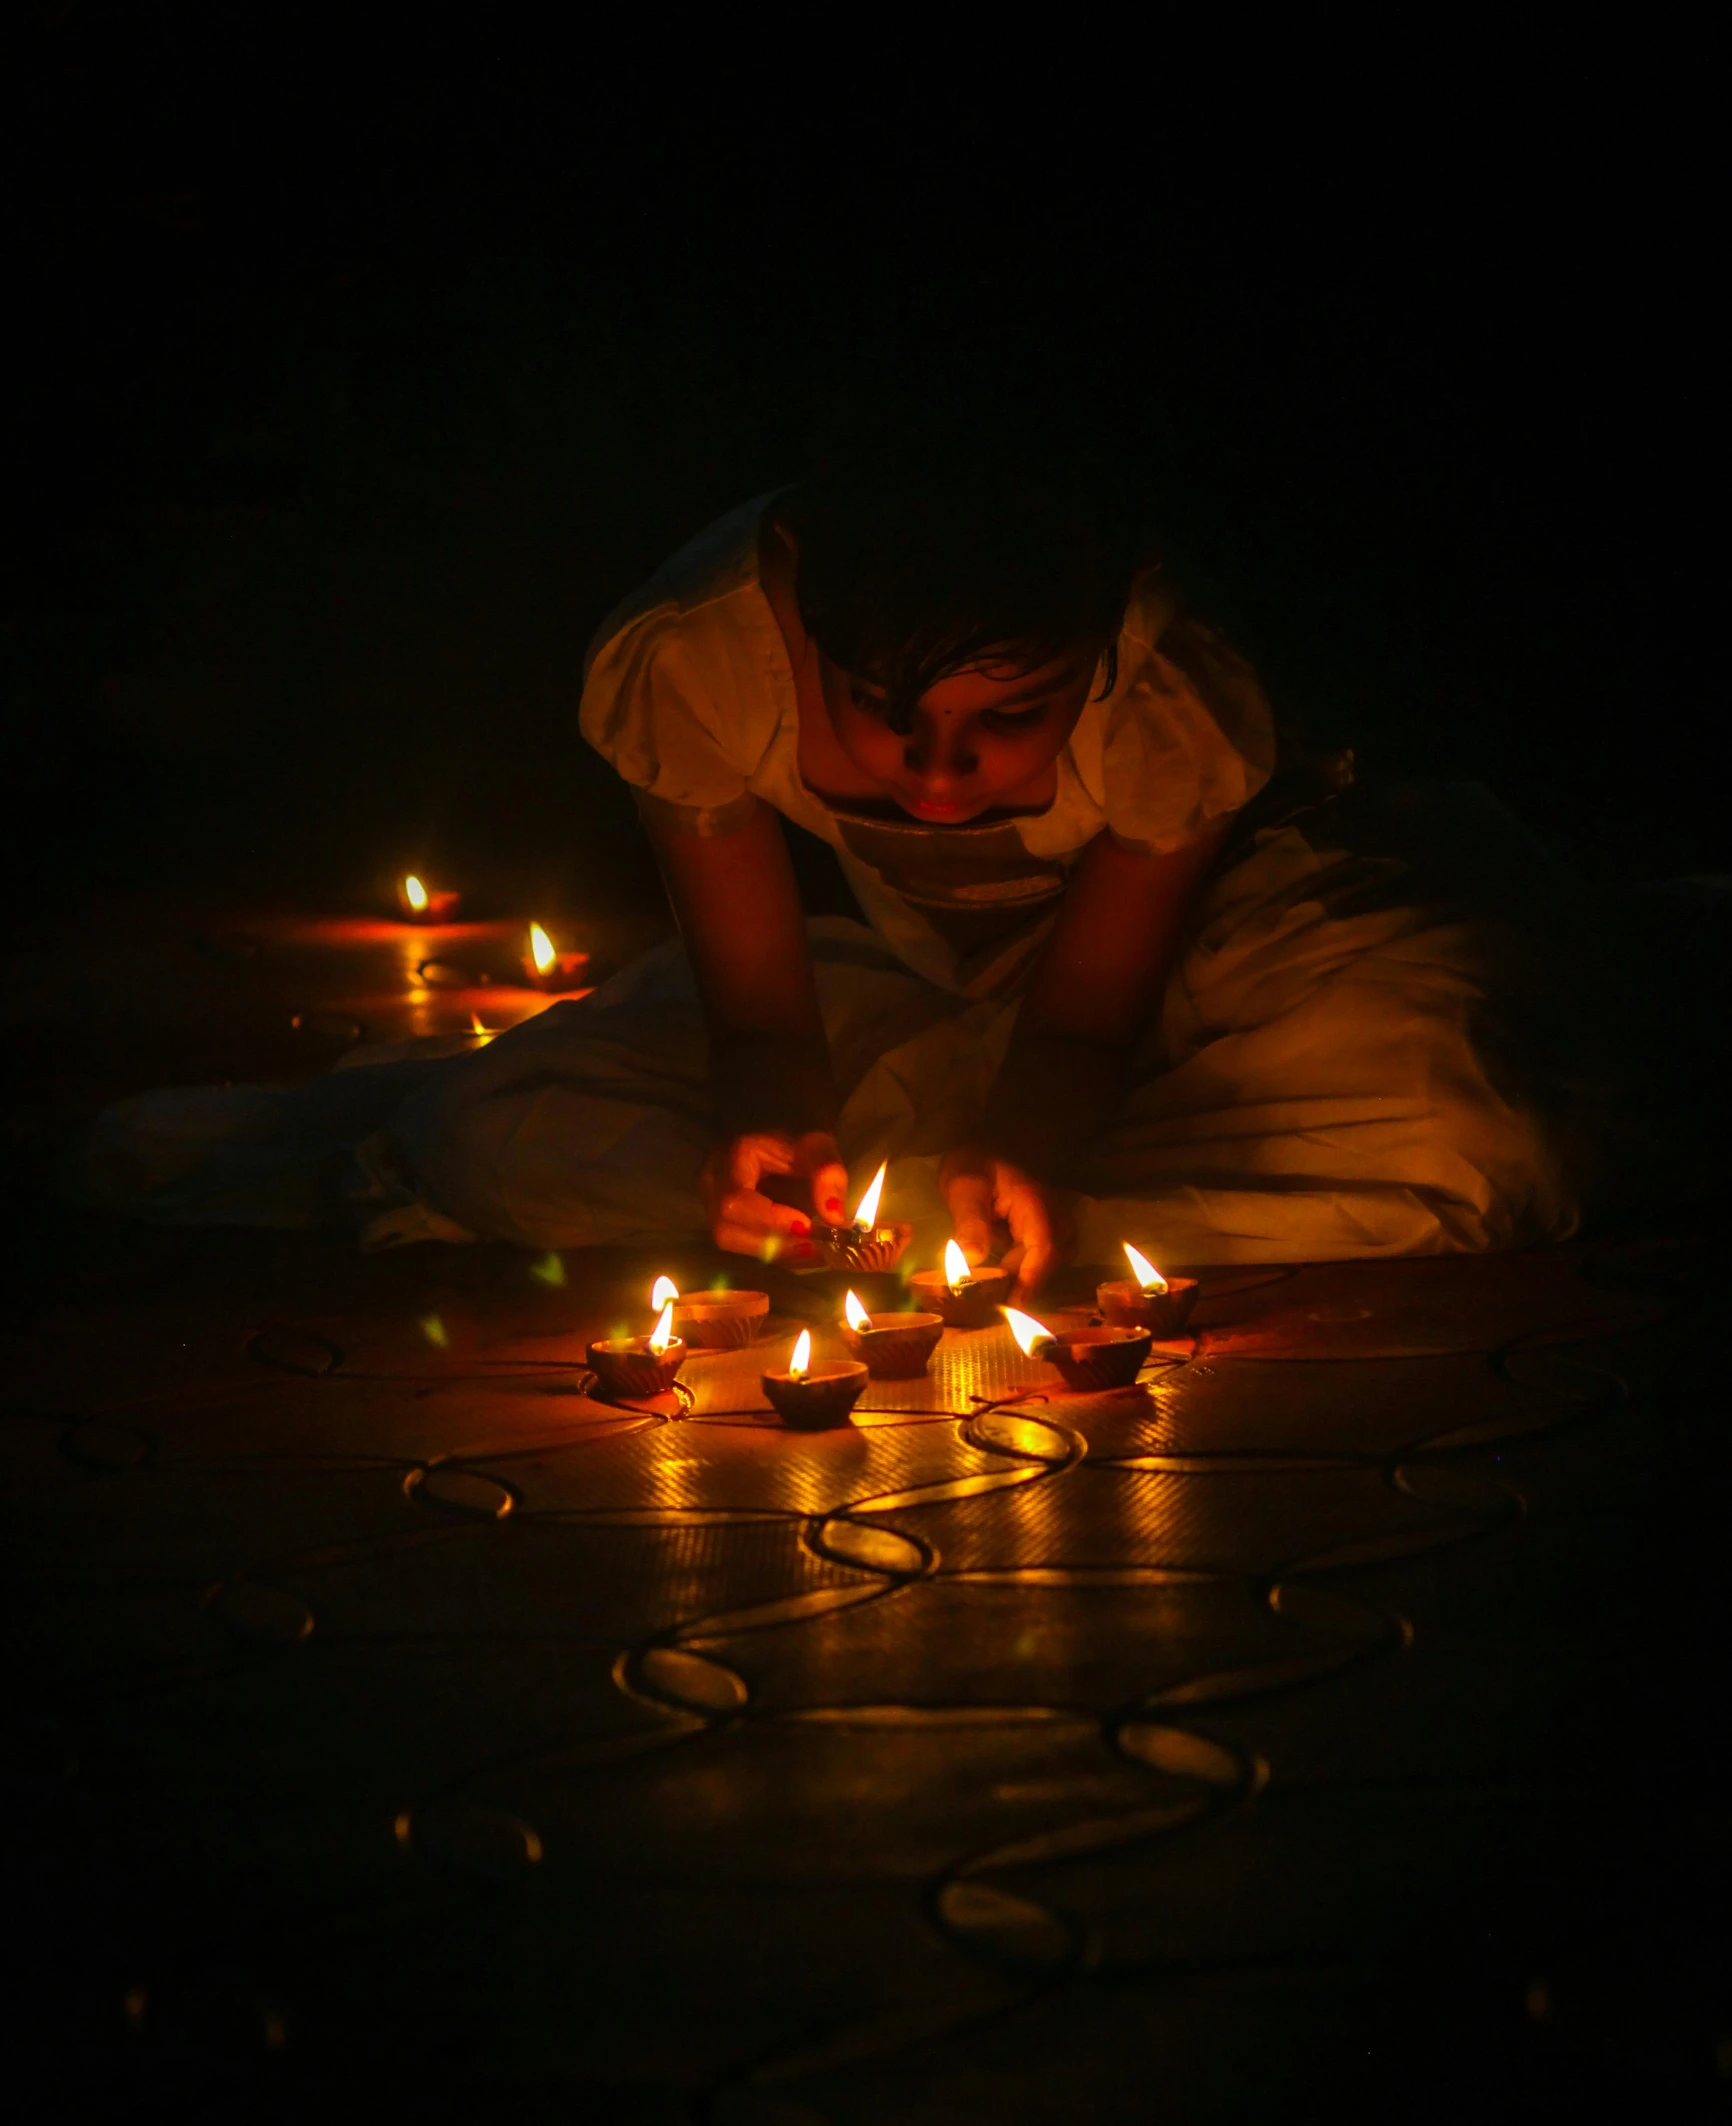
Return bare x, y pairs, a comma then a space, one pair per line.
1012, 720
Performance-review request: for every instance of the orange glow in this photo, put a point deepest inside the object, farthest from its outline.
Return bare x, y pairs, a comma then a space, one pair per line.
866, 1217
1028, 1332
1143, 1270
415, 893
802, 1357
662, 1291
956, 1270
541, 949
663, 1333
858, 1318
481, 1033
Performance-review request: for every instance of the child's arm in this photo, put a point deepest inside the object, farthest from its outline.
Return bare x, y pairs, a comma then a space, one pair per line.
1099, 976
738, 909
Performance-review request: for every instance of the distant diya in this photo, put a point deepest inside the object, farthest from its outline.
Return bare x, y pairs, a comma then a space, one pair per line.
893, 1346
639, 1365
811, 1398
422, 903
713, 1321
864, 1245
964, 1298
1108, 1357
1146, 1299
545, 965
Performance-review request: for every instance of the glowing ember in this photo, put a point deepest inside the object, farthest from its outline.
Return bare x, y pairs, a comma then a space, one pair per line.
866, 1217
802, 1357
415, 893
1028, 1332
541, 949
956, 1270
858, 1318
663, 1333
663, 1290
1143, 1270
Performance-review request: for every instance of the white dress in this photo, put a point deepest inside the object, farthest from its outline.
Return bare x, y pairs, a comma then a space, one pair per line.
1339, 1067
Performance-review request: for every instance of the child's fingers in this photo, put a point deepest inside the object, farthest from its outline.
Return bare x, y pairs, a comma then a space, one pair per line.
970, 1205
751, 1212
819, 1160
762, 1153
828, 1186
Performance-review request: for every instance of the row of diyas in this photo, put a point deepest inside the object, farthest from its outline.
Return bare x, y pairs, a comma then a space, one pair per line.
888, 1346
545, 964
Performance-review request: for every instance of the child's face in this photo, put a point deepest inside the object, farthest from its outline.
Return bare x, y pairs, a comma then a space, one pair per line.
981, 739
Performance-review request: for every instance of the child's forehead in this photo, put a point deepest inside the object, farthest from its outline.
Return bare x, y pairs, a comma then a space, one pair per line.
995, 683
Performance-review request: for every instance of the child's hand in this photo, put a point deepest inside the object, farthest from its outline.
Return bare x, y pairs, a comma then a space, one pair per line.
744, 1219
978, 1188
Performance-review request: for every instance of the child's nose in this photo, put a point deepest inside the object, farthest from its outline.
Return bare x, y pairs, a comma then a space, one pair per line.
940, 755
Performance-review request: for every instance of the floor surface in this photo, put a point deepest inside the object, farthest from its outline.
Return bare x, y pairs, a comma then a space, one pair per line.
1331, 1722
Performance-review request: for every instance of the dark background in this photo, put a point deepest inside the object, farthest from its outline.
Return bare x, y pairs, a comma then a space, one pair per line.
357, 371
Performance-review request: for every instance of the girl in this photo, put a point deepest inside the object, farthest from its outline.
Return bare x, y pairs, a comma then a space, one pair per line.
1131, 967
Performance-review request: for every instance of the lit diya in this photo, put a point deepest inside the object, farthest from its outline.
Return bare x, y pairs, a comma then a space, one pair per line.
813, 1398
1088, 1358
1146, 1299
422, 903
864, 1245
965, 1298
713, 1321
639, 1365
894, 1346
545, 965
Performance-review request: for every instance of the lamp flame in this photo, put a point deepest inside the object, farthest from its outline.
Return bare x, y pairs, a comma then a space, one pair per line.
1143, 1270
1028, 1332
662, 1291
481, 1033
858, 1318
802, 1357
866, 1217
663, 1333
541, 949
956, 1270
415, 893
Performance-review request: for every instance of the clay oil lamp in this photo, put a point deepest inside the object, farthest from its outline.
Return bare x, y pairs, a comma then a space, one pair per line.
864, 1245
639, 1365
545, 965
894, 1346
1088, 1358
422, 903
964, 1298
713, 1321
1146, 1299
810, 1398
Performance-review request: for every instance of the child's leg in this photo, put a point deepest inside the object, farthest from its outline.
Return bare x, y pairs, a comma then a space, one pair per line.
1337, 1077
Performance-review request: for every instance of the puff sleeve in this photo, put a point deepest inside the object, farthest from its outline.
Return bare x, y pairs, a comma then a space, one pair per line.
664, 715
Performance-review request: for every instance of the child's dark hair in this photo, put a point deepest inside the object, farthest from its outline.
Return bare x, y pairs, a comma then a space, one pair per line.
962, 521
